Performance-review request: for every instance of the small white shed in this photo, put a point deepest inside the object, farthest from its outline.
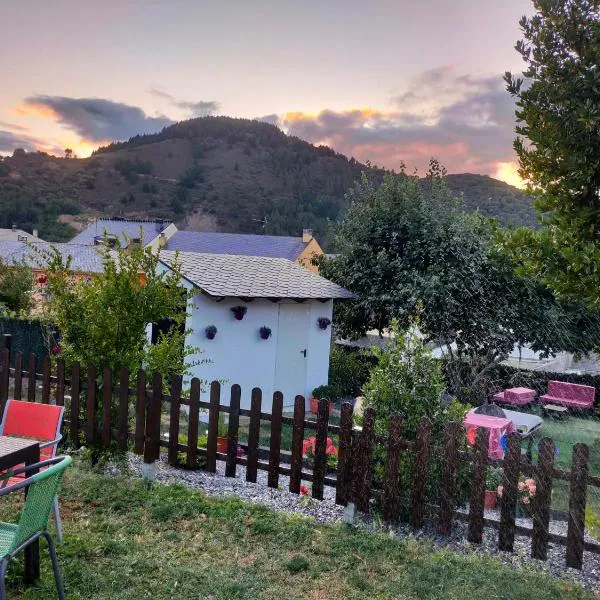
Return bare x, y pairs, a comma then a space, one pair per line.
293, 303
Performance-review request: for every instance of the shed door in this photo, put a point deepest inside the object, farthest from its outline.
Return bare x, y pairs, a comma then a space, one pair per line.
292, 351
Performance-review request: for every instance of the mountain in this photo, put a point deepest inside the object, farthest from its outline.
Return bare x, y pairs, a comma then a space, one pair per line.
211, 173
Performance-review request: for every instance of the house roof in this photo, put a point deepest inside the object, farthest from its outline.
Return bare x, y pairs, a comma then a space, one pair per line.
124, 229
85, 259
226, 275
17, 235
273, 246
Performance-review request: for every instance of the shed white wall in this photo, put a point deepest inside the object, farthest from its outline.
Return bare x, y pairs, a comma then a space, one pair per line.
239, 355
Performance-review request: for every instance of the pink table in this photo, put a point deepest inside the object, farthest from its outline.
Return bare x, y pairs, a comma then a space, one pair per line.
518, 396
497, 426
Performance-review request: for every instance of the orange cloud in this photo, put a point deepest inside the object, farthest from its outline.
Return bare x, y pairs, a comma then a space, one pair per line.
35, 109
509, 173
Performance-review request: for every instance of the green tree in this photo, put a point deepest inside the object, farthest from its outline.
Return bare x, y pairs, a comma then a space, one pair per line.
16, 288
103, 319
407, 248
558, 145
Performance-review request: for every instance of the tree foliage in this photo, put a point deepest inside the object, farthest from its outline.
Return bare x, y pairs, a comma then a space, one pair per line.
405, 250
103, 319
16, 288
558, 144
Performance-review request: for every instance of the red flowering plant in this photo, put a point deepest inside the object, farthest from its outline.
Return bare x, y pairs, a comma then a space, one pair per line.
526, 491
309, 446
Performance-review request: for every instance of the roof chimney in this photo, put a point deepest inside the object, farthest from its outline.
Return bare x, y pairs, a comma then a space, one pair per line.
35, 233
307, 235
14, 226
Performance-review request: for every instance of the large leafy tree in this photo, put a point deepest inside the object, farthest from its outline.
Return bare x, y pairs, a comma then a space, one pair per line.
558, 144
103, 319
407, 248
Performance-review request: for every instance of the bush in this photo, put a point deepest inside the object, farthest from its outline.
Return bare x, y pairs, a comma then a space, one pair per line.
408, 380
348, 370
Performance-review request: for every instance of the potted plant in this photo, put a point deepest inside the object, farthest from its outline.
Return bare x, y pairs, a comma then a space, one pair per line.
526, 491
308, 450
211, 331
323, 322
239, 312
222, 439
493, 480
322, 392
265, 332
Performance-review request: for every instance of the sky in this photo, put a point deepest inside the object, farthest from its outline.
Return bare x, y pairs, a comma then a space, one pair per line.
390, 81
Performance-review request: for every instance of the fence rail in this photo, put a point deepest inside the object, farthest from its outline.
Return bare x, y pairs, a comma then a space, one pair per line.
103, 409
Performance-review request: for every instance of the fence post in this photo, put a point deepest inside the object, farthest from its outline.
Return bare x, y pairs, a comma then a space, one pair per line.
4, 377
361, 484
541, 515
174, 414
75, 391
46, 380
194, 416
508, 505
420, 470
18, 375
320, 457
476, 507
577, 499
91, 406
232, 432
344, 474
391, 484
60, 382
31, 382
140, 413
123, 429
213, 427
106, 405
253, 435
297, 439
275, 440
152, 445
448, 479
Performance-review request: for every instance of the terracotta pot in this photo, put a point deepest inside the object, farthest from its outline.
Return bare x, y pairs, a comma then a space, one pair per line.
491, 498
222, 444
314, 405
211, 336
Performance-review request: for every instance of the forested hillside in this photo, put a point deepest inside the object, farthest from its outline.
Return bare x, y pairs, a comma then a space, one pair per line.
213, 173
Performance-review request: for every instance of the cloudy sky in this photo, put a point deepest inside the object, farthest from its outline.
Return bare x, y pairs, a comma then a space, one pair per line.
390, 81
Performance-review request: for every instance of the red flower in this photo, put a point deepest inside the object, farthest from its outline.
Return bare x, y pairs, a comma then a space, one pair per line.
304, 490
56, 350
42, 279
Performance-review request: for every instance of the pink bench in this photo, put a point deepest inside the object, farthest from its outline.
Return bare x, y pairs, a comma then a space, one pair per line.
572, 395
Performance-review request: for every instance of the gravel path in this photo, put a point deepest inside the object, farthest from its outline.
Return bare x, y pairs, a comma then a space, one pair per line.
326, 511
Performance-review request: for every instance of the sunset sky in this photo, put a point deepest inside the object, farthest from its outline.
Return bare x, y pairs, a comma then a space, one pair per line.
385, 81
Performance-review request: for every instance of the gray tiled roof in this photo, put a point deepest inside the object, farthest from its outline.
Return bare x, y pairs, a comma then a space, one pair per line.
251, 276
84, 259
124, 229
17, 235
241, 244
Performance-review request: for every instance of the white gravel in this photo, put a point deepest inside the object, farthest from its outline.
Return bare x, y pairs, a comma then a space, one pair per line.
326, 511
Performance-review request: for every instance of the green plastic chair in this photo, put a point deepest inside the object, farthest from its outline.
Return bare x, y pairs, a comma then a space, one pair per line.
33, 523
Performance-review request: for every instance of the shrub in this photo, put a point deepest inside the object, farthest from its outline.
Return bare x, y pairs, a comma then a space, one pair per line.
348, 370
326, 392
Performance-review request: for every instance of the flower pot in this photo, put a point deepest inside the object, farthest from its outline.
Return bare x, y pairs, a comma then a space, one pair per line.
491, 499
314, 405
211, 336
238, 316
222, 444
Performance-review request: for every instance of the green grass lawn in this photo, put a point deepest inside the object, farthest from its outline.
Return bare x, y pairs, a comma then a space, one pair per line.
125, 541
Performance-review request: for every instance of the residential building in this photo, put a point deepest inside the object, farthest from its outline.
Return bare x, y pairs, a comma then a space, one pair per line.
275, 293
300, 249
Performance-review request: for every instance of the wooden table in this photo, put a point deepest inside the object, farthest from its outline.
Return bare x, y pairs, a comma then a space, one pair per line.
17, 451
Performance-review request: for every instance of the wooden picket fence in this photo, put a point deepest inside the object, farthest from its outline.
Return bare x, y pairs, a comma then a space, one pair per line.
104, 410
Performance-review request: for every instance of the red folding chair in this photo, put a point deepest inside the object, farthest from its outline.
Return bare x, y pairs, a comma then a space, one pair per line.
35, 421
